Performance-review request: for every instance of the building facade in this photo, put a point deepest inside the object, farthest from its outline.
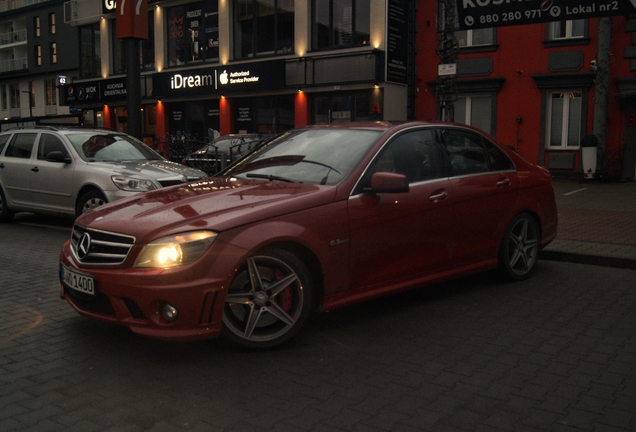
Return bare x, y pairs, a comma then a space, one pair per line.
541, 88
245, 66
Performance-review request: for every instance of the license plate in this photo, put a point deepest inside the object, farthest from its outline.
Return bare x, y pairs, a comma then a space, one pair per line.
77, 281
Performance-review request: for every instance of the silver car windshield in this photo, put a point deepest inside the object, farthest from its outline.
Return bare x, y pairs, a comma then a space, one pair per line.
107, 147
316, 156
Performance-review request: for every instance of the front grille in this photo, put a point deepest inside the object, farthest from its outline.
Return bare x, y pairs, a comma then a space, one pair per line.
165, 183
94, 247
98, 303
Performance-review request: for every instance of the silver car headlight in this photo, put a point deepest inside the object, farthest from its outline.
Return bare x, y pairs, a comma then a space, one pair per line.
176, 250
131, 184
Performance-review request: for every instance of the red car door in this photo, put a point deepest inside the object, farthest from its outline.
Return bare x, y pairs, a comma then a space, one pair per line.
485, 187
398, 236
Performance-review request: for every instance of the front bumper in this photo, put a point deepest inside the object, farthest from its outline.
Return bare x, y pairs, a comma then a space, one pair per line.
134, 296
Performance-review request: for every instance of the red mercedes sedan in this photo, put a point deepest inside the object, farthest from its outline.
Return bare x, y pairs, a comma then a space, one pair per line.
316, 219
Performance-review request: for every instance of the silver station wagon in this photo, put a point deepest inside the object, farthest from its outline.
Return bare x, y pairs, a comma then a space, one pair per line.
66, 172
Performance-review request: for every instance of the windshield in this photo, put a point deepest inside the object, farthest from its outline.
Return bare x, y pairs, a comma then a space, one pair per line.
110, 147
317, 156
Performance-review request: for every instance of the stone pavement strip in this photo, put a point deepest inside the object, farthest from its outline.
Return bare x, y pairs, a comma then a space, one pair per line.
597, 224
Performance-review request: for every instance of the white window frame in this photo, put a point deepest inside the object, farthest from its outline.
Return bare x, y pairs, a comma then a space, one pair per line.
469, 108
568, 30
565, 121
470, 38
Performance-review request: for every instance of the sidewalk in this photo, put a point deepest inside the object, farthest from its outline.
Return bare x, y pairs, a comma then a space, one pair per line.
597, 223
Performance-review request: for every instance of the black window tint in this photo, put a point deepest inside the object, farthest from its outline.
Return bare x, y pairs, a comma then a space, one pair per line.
499, 161
465, 152
50, 143
21, 145
3, 141
414, 154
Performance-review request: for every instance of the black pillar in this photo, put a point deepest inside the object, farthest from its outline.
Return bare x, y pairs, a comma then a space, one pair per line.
133, 87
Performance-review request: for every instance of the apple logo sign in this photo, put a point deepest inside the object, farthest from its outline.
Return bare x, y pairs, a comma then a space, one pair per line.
223, 78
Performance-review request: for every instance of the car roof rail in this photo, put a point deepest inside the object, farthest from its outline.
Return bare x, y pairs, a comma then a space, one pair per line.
51, 128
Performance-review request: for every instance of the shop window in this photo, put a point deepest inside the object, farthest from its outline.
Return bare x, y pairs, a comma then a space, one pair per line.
340, 23
476, 111
564, 119
570, 29
90, 53
475, 38
148, 46
339, 108
263, 27
51, 92
193, 33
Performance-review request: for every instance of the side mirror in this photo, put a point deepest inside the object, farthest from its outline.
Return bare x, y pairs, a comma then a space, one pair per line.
387, 182
57, 156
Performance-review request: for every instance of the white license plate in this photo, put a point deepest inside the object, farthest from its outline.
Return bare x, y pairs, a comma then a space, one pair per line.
78, 281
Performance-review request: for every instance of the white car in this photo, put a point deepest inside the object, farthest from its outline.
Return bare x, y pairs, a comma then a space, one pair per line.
67, 172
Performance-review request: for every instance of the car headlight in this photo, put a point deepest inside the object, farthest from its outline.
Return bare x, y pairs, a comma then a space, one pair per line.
132, 184
175, 250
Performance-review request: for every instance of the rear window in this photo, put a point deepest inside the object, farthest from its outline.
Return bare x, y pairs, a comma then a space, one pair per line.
3, 142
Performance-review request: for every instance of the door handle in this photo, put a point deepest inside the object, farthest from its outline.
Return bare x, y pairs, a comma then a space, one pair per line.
438, 197
35, 169
504, 182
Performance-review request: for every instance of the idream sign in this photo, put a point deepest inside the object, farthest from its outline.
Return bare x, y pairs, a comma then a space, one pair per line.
476, 14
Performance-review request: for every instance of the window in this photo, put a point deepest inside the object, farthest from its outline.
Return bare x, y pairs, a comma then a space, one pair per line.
414, 154
465, 151
53, 48
52, 23
567, 29
14, 95
473, 38
118, 54
38, 55
90, 53
36, 26
148, 46
193, 33
564, 118
476, 111
263, 27
51, 92
50, 143
340, 23
3, 97
21, 145
3, 141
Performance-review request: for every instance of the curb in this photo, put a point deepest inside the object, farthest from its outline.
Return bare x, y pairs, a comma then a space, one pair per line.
604, 261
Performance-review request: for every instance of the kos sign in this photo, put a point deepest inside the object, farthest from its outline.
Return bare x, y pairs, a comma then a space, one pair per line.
475, 14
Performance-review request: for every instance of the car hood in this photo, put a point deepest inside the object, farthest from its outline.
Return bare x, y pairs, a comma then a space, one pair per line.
213, 203
150, 169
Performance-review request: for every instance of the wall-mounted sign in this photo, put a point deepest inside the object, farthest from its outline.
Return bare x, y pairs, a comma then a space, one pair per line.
397, 42
224, 79
108, 6
61, 80
474, 14
93, 92
132, 19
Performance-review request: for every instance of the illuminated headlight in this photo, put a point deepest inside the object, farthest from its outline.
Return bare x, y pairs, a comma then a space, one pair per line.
175, 250
132, 184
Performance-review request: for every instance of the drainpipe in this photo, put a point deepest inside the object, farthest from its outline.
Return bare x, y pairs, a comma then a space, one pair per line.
601, 94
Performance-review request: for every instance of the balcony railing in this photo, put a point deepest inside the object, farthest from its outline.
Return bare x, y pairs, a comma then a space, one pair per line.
13, 37
13, 64
7, 5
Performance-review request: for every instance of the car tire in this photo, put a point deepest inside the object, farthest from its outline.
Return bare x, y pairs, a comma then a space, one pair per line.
269, 300
90, 200
6, 214
519, 249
